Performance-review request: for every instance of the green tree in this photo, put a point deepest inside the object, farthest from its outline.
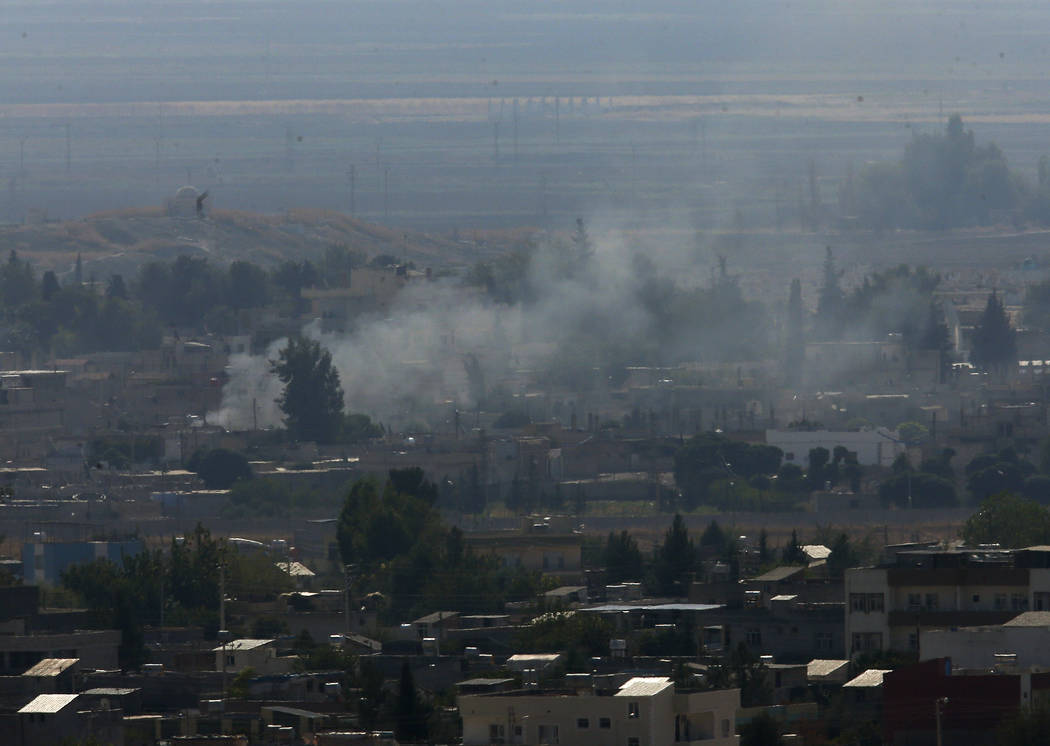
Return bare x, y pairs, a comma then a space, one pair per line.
792, 553
220, 468
49, 285
674, 559
794, 336
994, 347
248, 286
830, 301
761, 730
17, 284
622, 558
115, 288
1008, 520
843, 556
312, 400
926, 491
410, 717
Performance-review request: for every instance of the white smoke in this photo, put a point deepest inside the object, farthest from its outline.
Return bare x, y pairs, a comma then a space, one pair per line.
412, 364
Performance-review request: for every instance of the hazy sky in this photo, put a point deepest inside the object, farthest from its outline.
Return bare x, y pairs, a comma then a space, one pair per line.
192, 49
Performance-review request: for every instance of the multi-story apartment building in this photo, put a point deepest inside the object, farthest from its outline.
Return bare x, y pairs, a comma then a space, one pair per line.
644, 710
889, 606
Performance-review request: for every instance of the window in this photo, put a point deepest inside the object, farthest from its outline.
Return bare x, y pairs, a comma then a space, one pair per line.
548, 734
632, 741
1000, 602
932, 602
913, 641
914, 601
977, 598
583, 723
632, 710
754, 637
604, 723
496, 733
1018, 601
864, 641
823, 641
867, 602
1042, 601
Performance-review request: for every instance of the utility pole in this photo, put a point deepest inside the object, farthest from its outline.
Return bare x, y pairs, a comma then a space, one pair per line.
224, 634
346, 596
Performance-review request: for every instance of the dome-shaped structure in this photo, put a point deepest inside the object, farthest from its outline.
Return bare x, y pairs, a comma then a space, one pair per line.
185, 203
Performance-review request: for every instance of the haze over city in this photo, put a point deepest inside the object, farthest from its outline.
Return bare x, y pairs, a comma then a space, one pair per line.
461, 372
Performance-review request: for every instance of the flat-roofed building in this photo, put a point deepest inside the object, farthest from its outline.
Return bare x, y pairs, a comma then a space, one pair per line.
643, 711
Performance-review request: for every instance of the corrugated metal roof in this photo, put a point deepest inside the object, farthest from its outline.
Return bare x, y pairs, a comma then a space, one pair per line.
49, 703
822, 668
870, 678
437, 616
242, 644
643, 686
778, 573
484, 682
653, 607
296, 569
51, 666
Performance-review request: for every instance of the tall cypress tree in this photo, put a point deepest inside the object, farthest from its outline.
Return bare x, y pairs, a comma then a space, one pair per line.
994, 347
794, 335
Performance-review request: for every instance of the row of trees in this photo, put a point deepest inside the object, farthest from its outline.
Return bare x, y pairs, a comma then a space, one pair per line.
394, 538
177, 587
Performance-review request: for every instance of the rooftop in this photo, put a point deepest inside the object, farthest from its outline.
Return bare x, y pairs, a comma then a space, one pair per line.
821, 668
1030, 619
778, 574
871, 678
296, 569
51, 666
483, 682
49, 703
605, 608
246, 643
643, 686
437, 616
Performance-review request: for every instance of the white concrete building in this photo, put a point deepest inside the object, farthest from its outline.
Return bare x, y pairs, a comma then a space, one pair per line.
259, 655
889, 607
1024, 641
643, 711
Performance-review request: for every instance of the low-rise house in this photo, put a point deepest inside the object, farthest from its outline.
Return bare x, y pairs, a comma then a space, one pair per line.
862, 695
51, 719
827, 672
1023, 641
52, 676
642, 710
259, 655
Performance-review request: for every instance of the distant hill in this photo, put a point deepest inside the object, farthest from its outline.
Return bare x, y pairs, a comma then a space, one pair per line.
120, 241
